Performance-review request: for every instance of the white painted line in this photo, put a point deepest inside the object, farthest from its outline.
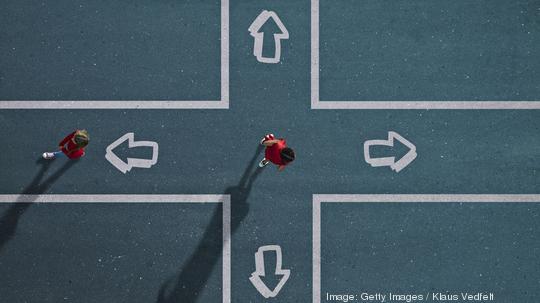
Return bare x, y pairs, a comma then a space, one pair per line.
425, 104
318, 199
314, 53
224, 54
427, 198
316, 103
226, 272
114, 198
316, 250
113, 105
224, 199
145, 104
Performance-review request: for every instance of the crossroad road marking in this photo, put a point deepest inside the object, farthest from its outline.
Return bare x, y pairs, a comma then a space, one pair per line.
145, 104
316, 103
224, 199
439, 198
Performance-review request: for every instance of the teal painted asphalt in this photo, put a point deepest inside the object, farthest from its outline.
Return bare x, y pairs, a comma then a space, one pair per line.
208, 151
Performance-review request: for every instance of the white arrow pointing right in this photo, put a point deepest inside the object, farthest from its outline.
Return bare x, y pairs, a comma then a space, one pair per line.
390, 161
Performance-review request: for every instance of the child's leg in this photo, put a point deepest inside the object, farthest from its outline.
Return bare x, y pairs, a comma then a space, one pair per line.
267, 137
52, 155
263, 162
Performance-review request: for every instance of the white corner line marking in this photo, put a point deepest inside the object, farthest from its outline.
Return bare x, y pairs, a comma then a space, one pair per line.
314, 53
224, 199
316, 103
318, 199
145, 104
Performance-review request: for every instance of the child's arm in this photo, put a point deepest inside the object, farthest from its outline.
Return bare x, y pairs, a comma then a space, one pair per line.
270, 142
66, 139
281, 167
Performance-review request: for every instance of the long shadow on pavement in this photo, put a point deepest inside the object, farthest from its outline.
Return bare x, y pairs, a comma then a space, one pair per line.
10, 218
193, 276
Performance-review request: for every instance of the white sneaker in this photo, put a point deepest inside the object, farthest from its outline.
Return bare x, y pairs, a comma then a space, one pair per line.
263, 163
48, 156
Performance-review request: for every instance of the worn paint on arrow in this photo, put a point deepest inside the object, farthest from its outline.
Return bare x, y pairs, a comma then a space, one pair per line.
131, 162
259, 36
397, 166
260, 272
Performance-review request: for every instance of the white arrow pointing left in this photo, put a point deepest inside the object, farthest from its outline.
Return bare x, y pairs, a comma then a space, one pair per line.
131, 162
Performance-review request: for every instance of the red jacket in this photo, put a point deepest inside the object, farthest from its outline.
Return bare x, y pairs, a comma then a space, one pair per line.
273, 153
70, 148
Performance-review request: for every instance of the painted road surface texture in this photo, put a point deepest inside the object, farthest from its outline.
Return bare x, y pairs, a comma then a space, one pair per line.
171, 50
108, 252
429, 50
430, 250
79, 50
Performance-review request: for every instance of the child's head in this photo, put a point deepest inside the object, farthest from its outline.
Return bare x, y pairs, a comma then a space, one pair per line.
287, 155
81, 138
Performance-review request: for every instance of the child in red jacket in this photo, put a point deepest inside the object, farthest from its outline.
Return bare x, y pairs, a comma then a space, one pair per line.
72, 146
276, 152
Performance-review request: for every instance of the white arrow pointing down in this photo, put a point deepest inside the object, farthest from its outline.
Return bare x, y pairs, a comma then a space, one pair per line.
259, 271
131, 162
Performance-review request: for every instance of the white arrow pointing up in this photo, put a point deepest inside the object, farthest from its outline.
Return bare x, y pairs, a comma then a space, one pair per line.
259, 36
131, 162
390, 161
260, 272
